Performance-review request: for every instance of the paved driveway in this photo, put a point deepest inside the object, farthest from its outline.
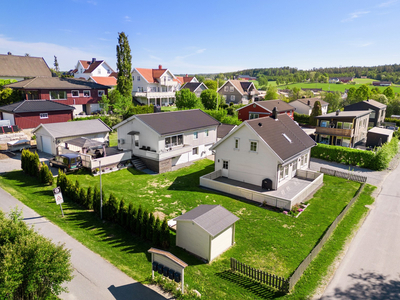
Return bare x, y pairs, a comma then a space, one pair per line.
14, 162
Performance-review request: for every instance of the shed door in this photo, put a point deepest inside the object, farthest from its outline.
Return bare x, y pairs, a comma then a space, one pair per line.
46, 144
225, 168
10, 117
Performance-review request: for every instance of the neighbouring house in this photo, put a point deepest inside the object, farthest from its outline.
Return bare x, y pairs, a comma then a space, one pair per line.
261, 109
206, 231
376, 136
154, 86
223, 130
165, 141
306, 105
265, 160
381, 83
81, 94
14, 67
238, 91
195, 87
186, 79
246, 77
30, 113
98, 68
52, 137
109, 81
340, 79
342, 128
377, 109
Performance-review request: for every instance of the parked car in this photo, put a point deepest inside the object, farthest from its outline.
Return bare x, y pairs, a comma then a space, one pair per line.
66, 162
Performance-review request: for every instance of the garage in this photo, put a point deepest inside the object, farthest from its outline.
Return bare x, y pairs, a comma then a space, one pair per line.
206, 231
10, 117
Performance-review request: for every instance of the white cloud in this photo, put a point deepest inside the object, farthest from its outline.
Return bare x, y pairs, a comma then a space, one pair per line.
127, 19
355, 15
92, 2
388, 3
67, 57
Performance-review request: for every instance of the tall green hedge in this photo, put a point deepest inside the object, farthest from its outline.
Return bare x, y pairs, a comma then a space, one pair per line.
374, 160
301, 119
393, 120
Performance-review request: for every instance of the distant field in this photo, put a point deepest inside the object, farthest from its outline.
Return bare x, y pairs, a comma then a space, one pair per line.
333, 87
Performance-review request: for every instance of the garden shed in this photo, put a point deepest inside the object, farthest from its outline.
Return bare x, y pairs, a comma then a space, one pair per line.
378, 136
206, 231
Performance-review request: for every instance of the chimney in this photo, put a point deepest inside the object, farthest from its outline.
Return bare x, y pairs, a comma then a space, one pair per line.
274, 113
159, 67
9, 53
308, 102
187, 75
93, 59
337, 112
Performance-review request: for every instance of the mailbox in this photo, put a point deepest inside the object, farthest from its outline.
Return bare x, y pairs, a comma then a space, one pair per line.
177, 277
160, 268
171, 274
166, 270
155, 266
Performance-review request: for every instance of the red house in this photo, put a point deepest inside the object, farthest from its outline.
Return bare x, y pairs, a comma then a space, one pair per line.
81, 94
260, 109
32, 113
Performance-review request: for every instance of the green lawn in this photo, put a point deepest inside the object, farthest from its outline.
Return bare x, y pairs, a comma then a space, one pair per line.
333, 87
265, 239
113, 139
168, 108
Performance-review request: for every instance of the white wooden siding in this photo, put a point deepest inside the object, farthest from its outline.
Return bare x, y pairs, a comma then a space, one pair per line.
191, 237
221, 242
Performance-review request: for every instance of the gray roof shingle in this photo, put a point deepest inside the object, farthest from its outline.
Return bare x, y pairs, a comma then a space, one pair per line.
23, 66
192, 86
212, 218
76, 128
344, 114
312, 101
52, 83
273, 132
35, 106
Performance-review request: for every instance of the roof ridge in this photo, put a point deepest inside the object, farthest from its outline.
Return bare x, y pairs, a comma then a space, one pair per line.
22, 102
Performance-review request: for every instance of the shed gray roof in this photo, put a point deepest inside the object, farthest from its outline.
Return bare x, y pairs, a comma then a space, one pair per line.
75, 128
212, 218
23, 66
382, 131
35, 106
273, 132
52, 83
175, 121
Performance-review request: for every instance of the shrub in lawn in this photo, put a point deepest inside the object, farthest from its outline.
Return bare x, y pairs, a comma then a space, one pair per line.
82, 197
30, 163
89, 198
45, 174
96, 200
156, 232
76, 192
139, 220
113, 207
23, 160
69, 188
122, 212
165, 235
62, 180
105, 210
143, 227
150, 227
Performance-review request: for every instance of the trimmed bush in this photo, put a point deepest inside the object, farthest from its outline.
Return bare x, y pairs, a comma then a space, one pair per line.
145, 223
139, 220
45, 174
393, 120
150, 227
301, 119
112, 208
156, 232
165, 234
89, 198
82, 197
122, 212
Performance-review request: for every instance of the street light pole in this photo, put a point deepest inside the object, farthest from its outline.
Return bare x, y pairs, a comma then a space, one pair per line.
101, 194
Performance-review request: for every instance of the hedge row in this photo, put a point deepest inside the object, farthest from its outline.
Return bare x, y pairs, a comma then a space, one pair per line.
393, 120
135, 220
374, 160
301, 119
31, 165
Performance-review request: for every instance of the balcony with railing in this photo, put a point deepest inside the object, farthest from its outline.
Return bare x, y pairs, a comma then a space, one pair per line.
149, 94
145, 151
334, 131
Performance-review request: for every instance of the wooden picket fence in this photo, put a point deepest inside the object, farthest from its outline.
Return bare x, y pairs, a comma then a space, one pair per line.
346, 175
272, 280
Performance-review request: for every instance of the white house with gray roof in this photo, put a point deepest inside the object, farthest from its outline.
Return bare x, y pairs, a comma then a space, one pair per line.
206, 231
165, 140
51, 137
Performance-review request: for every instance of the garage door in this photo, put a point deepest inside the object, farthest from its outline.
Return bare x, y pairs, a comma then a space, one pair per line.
10, 117
46, 144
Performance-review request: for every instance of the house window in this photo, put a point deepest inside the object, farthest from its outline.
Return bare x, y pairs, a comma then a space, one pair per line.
108, 71
58, 95
133, 78
226, 88
75, 93
236, 143
100, 93
231, 89
140, 89
86, 93
195, 135
138, 78
304, 159
206, 132
324, 123
347, 125
225, 165
136, 140
44, 115
253, 116
195, 151
324, 139
253, 146
339, 125
232, 97
172, 141
286, 171
346, 142
372, 114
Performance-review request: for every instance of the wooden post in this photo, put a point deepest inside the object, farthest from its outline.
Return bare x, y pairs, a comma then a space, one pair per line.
152, 271
183, 284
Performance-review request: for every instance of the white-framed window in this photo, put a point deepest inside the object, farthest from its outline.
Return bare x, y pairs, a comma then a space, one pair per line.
225, 164
86, 93
226, 88
138, 78
133, 78
75, 93
232, 97
237, 143
253, 146
347, 125
58, 95
174, 140
140, 89
231, 89
372, 114
304, 159
253, 116
44, 115
324, 123
206, 132
324, 139
195, 135
283, 172
100, 93
195, 151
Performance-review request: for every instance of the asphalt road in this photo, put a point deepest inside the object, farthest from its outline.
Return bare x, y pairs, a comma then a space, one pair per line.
95, 278
371, 267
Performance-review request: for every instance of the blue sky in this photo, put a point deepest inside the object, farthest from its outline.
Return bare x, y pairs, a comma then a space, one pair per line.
206, 36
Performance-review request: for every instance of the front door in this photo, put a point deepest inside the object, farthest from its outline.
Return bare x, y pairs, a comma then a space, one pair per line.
225, 168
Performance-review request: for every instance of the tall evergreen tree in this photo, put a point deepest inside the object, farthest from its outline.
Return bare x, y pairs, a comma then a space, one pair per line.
316, 111
124, 65
56, 66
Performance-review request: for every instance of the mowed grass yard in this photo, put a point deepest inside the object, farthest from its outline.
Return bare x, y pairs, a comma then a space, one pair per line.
335, 87
265, 239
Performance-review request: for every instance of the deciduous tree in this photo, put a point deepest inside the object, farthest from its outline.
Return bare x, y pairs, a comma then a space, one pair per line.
389, 93
209, 98
186, 99
334, 99
211, 84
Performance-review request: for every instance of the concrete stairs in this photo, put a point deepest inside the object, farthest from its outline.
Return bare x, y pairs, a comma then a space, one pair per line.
138, 163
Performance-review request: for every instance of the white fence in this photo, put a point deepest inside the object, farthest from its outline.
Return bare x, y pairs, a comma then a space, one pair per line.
317, 178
